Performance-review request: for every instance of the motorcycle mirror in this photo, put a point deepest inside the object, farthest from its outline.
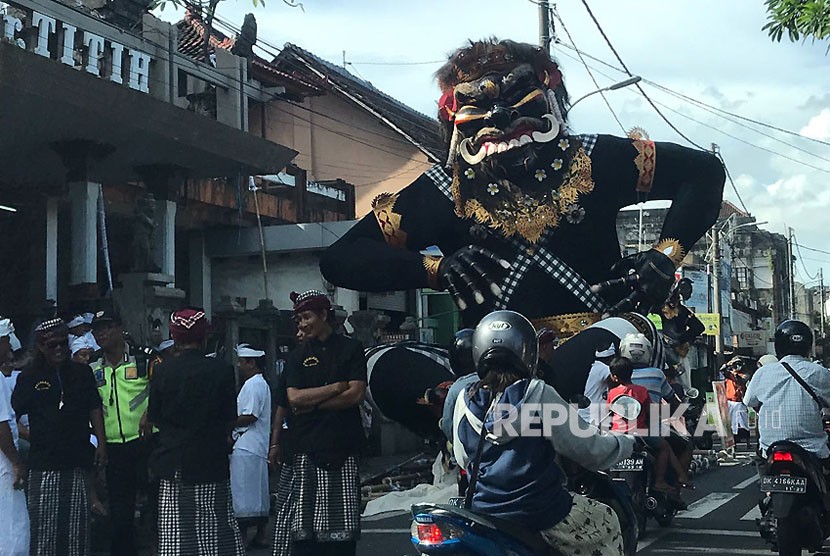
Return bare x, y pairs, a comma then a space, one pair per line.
626, 407
692, 393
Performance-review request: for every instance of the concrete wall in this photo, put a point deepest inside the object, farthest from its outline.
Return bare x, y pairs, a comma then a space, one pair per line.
350, 144
242, 277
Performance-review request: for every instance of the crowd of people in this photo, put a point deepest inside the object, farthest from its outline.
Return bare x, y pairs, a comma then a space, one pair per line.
92, 425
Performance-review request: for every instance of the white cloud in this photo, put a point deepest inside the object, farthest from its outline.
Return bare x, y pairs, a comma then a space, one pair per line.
819, 126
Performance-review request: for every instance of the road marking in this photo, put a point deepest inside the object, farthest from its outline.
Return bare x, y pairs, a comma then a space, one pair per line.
742, 485
642, 545
706, 505
701, 549
385, 531
752, 515
717, 532
384, 515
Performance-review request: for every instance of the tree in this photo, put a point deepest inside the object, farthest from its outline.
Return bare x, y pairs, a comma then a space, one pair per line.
798, 18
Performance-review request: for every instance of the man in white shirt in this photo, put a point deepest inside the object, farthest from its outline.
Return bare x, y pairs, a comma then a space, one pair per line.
14, 523
786, 411
249, 460
597, 386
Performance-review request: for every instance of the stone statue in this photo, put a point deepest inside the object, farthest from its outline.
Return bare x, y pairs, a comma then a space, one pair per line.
144, 226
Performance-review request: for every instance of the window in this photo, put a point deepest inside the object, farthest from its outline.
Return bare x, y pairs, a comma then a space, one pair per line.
742, 275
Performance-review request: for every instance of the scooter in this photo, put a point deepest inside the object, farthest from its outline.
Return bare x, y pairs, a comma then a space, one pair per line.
795, 509
451, 529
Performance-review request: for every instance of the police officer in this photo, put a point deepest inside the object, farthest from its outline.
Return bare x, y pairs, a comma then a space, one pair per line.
121, 375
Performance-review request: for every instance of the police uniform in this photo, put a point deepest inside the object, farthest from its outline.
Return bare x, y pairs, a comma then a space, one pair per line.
124, 389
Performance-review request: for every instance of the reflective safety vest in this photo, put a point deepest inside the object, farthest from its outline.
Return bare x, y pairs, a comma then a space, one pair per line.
124, 392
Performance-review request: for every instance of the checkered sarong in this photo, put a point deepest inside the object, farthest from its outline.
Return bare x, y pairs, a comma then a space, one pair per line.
197, 519
284, 506
326, 502
58, 513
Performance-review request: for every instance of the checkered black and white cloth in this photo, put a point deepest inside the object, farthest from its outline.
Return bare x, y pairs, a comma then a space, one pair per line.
197, 519
326, 502
284, 512
58, 513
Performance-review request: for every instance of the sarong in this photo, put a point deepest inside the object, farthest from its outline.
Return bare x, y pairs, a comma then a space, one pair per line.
249, 485
284, 512
14, 523
58, 513
326, 501
738, 416
197, 519
590, 528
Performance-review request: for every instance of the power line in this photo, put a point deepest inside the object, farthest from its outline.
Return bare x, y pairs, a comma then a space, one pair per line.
697, 101
639, 87
400, 63
813, 249
584, 63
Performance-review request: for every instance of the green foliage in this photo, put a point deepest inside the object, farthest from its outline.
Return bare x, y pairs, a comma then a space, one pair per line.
798, 18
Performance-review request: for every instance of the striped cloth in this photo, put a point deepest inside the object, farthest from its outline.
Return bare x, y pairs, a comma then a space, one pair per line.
197, 519
326, 502
58, 513
284, 506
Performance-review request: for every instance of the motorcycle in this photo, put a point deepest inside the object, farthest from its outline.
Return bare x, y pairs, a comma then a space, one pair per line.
451, 529
795, 508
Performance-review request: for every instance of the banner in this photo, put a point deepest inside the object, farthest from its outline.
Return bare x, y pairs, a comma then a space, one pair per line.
711, 321
699, 302
722, 415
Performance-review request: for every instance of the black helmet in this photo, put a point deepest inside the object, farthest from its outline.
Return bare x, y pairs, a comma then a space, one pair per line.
461, 352
793, 337
505, 340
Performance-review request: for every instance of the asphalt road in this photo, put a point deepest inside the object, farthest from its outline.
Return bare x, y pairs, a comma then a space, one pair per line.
720, 521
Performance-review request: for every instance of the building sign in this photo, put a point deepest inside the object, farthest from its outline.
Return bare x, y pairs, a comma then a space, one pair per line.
699, 302
61, 41
711, 321
752, 339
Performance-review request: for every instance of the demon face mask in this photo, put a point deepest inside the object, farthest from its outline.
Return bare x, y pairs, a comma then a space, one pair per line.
502, 113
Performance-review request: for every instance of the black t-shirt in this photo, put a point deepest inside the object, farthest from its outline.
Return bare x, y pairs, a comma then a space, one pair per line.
193, 404
58, 403
326, 432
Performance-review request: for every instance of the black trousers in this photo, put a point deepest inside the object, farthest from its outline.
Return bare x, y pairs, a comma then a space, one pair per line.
126, 476
313, 548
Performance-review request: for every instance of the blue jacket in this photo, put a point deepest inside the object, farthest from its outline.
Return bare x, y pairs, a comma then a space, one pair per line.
519, 479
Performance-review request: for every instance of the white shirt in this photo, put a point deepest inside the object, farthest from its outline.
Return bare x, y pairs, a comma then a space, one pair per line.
596, 390
6, 412
787, 411
254, 399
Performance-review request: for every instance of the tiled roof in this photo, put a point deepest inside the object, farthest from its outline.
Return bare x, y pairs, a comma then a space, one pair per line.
419, 128
303, 74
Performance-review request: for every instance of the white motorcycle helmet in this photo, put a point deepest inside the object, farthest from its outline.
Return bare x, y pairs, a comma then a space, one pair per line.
637, 348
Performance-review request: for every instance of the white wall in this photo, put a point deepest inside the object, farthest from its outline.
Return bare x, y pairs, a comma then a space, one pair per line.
242, 277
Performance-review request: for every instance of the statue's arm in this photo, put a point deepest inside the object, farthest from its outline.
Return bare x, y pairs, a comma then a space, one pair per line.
632, 171
382, 251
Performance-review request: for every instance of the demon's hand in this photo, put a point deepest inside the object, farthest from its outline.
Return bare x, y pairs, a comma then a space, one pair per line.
655, 276
468, 272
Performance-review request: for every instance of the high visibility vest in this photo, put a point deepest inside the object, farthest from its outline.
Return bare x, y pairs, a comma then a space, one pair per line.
125, 391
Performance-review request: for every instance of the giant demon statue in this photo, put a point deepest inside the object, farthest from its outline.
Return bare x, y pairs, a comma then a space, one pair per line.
525, 213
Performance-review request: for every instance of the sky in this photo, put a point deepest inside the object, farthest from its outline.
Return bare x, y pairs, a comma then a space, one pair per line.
713, 51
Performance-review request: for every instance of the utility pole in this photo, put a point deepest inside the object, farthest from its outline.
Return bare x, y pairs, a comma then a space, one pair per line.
717, 295
544, 25
821, 297
790, 271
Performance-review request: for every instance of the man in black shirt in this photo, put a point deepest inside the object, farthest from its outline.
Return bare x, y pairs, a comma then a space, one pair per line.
193, 405
61, 400
325, 379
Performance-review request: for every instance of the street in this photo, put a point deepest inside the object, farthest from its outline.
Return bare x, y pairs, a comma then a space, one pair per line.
720, 520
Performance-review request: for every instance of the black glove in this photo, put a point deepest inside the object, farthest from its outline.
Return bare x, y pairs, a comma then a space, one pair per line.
655, 273
467, 272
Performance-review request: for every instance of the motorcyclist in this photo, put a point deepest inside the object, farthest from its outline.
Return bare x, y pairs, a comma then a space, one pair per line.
638, 349
786, 411
518, 477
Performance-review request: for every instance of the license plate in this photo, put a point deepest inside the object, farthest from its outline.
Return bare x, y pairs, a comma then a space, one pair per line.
784, 483
457, 501
629, 464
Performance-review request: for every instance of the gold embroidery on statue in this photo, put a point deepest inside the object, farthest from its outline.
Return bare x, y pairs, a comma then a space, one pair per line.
671, 248
646, 162
520, 212
389, 221
431, 265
